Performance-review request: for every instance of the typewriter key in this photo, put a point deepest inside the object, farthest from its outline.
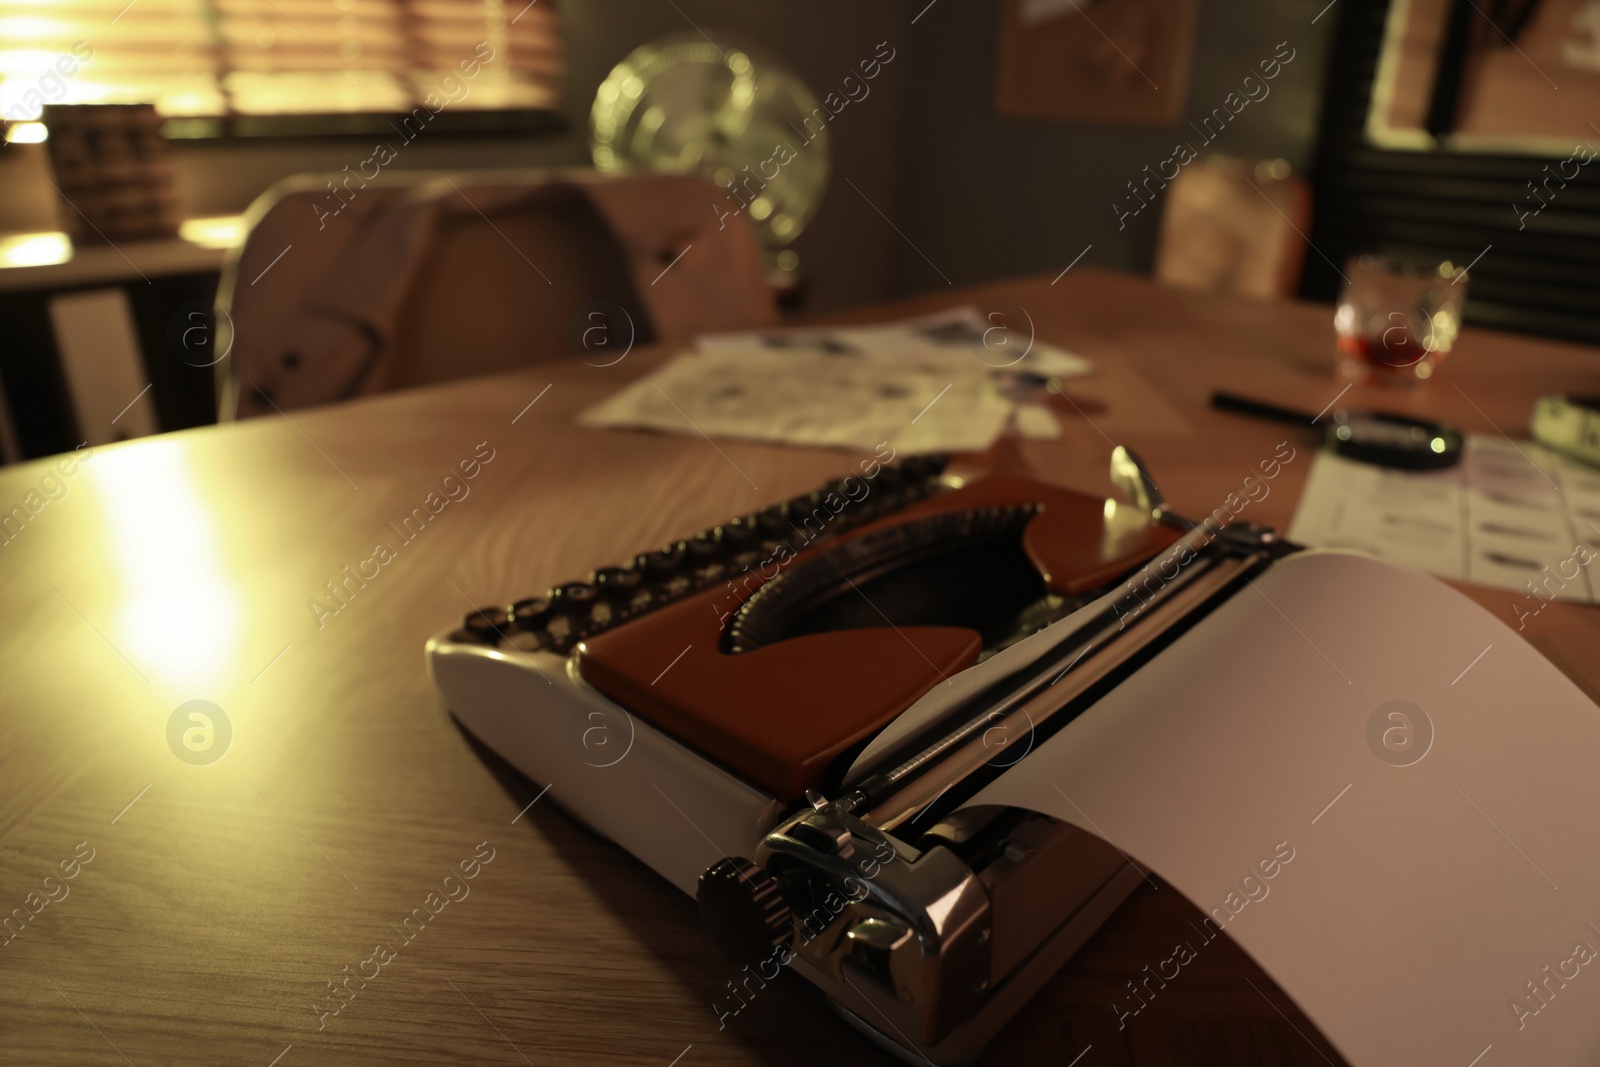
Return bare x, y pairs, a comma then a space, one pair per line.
530, 640
655, 577
777, 551
740, 535
810, 514
773, 522
532, 613
704, 549
616, 583
889, 479
662, 563
849, 488
575, 600
711, 573
673, 588
487, 624
797, 508
925, 468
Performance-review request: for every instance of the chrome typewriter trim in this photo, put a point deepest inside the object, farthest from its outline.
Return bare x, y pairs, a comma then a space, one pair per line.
930, 940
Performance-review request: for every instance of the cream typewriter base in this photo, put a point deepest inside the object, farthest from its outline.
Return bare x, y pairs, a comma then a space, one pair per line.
633, 784
627, 780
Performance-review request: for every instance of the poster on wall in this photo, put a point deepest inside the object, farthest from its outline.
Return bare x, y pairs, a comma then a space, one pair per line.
1488, 76
1114, 61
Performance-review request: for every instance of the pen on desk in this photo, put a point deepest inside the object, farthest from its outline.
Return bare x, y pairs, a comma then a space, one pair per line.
1023, 385
1243, 405
1375, 437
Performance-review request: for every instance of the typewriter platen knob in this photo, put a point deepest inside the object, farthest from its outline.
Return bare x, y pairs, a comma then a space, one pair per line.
744, 911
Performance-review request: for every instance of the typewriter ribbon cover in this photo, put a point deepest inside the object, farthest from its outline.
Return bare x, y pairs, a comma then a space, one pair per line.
1424, 896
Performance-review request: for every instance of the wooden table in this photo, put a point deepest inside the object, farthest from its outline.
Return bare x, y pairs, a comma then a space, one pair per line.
220, 900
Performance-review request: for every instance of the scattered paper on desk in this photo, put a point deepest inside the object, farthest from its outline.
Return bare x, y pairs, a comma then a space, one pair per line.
1510, 516
924, 385
1035, 422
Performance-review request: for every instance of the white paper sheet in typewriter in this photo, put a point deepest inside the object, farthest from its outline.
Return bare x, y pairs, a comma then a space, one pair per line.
1443, 895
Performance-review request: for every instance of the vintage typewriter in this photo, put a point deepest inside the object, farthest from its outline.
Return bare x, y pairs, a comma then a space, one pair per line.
784, 715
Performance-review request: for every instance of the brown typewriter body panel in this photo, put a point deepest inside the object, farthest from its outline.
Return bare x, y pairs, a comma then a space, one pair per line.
778, 715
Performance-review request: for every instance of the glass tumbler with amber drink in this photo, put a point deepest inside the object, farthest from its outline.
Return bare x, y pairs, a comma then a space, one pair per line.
1395, 322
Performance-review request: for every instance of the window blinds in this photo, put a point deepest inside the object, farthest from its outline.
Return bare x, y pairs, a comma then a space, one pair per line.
223, 58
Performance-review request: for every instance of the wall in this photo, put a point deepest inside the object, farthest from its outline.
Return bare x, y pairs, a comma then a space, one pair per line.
985, 197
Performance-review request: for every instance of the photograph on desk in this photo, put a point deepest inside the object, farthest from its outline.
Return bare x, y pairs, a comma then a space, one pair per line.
691, 533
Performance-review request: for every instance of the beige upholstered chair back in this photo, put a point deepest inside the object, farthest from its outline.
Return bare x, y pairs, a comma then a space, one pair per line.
1235, 227
355, 289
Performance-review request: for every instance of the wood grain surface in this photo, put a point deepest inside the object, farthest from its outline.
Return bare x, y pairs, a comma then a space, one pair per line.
220, 902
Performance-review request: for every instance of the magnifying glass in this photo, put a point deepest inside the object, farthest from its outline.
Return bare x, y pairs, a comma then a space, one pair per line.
1374, 437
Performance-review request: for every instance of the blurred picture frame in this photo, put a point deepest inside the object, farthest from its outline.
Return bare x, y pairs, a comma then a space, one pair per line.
1107, 61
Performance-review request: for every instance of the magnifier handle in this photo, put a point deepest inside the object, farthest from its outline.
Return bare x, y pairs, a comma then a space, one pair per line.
1245, 406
